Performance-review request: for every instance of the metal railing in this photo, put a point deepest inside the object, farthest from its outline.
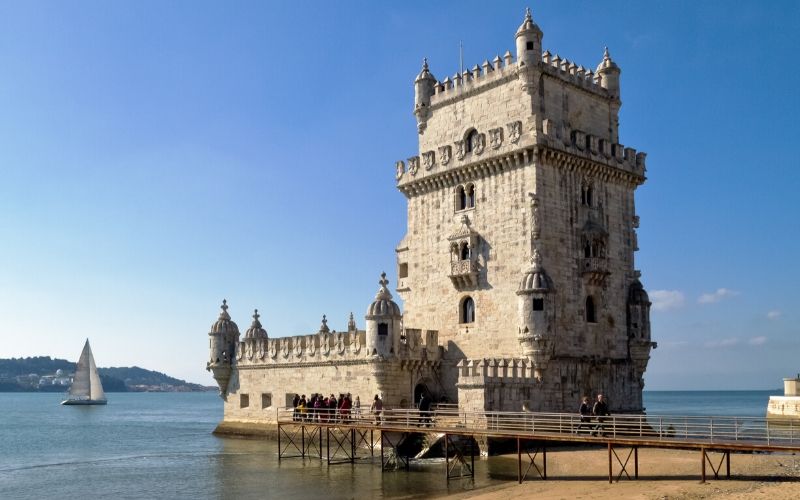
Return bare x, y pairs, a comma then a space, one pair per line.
665, 428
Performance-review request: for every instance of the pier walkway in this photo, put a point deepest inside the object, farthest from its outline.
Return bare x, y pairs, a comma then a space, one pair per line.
340, 439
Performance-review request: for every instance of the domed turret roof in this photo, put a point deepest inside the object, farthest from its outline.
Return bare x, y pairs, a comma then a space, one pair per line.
383, 305
256, 331
535, 280
425, 73
607, 64
637, 295
528, 25
224, 324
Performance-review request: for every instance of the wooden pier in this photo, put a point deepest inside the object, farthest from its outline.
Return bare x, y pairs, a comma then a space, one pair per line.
715, 438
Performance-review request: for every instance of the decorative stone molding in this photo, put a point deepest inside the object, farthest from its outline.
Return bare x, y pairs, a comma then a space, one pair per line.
445, 154
480, 144
514, 131
428, 160
399, 169
460, 149
413, 165
496, 137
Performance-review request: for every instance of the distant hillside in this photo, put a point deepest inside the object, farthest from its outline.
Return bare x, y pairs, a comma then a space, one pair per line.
40, 374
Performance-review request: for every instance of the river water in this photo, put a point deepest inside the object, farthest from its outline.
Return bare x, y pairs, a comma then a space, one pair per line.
159, 445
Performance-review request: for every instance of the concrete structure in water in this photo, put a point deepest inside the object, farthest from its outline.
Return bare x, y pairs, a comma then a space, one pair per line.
517, 267
788, 405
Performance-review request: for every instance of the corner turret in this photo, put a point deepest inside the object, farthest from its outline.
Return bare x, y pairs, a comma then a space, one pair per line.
608, 71
424, 88
536, 315
529, 41
224, 337
383, 323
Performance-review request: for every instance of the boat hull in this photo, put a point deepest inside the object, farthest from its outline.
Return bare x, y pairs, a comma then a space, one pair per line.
72, 402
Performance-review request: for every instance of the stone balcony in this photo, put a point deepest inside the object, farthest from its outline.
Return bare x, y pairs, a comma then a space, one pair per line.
464, 273
595, 269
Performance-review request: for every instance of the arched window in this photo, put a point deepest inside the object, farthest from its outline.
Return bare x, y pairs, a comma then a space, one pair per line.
587, 250
465, 251
591, 313
461, 198
586, 195
472, 137
470, 195
467, 310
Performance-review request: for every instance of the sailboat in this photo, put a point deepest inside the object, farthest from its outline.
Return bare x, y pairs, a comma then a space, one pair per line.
86, 388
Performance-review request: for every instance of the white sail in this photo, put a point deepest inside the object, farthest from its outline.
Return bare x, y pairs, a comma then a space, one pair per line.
96, 388
86, 386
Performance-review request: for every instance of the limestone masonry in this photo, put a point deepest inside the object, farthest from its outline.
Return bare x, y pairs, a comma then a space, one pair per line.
517, 267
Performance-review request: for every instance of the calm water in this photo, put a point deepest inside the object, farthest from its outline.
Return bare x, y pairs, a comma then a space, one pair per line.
160, 446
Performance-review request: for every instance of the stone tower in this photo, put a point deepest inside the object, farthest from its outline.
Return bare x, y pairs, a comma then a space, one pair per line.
519, 170
224, 336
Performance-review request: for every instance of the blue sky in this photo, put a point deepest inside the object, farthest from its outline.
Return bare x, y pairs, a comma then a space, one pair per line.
157, 157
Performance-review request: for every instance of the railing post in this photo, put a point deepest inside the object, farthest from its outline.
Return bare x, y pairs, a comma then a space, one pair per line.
660, 427
735, 429
711, 428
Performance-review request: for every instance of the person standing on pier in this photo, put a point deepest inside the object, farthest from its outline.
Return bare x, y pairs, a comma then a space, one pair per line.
586, 414
377, 409
600, 410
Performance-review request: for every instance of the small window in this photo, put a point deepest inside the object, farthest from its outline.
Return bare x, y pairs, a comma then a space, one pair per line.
529, 45
461, 198
266, 400
468, 310
465, 251
403, 271
591, 313
244, 400
383, 329
538, 304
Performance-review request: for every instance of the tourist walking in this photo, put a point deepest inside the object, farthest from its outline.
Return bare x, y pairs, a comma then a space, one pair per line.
295, 402
586, 414
377, 409
357, 408
600, 411
424, 410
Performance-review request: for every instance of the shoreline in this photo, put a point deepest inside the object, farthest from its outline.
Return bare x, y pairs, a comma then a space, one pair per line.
663, 474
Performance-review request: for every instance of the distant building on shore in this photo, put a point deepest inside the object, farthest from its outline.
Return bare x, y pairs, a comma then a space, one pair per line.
516, 270
787, 405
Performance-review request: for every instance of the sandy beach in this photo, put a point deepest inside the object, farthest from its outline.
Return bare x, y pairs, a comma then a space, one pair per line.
663, 474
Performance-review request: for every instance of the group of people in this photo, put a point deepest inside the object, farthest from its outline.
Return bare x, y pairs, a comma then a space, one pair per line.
326, 409
598, 411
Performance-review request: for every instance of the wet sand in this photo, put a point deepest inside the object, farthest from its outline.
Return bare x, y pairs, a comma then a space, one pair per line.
663, 474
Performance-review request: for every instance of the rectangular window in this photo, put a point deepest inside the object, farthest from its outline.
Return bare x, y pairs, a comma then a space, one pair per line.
383, 329
266, 400
403, 270
244, 400
538, 304
529, 45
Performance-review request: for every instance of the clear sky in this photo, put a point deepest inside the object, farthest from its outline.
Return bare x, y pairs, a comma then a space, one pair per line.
157, 157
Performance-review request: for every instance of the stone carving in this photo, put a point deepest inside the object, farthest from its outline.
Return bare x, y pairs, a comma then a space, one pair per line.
273, 350
460, 150
445, 153
479, 144
535, 225
496, 137
514, 131
428, 160
413, 165
298, 347
400, 169
285, 347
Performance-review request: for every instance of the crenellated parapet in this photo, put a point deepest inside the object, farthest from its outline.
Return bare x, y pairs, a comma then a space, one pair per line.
473, 373
315, 348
